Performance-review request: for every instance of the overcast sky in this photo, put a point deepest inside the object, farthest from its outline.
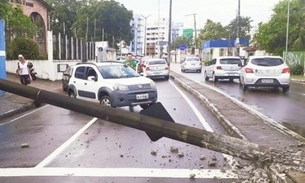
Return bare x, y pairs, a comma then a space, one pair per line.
217, 10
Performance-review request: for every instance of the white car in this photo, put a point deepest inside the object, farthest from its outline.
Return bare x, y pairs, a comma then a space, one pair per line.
225, 67
265, 71
154, 68
111, 84
191, 64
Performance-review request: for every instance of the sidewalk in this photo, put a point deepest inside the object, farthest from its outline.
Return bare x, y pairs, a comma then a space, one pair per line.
238, 121
11, 104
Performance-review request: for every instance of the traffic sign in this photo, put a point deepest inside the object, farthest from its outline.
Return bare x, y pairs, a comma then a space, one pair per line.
182, 47
100, 49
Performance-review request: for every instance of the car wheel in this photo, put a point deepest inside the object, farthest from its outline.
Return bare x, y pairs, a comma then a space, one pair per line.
71, 94
166, 77
286, 89
145, 106
205, 76
231, 80
215, 79
199, 70
105, 101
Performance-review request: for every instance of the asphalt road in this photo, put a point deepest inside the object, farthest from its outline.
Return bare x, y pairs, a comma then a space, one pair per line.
64, 146
287, 109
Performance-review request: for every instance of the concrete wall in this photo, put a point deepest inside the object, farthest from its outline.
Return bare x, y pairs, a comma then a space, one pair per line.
45, 70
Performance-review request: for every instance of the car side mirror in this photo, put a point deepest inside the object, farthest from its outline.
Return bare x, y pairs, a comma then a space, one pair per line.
240, 65
92, 78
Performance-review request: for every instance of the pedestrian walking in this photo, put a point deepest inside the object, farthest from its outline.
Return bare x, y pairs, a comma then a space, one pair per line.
23, 71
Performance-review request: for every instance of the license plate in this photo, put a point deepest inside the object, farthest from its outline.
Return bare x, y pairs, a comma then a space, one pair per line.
267, 80
142, 96
157, 73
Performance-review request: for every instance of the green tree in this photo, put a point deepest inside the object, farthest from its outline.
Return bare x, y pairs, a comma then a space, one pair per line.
212, 31
64, 14
245, 27
18, 24
271, 36
4, 8
187, 41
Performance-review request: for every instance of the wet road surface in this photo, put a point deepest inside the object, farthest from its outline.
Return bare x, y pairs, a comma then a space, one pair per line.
287, 109
64, 146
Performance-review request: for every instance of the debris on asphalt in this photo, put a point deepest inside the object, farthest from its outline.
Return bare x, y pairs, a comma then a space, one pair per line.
181, 154
212, 163
153, 153
202, 157
25, 145
121, 155
192, 176
174, 149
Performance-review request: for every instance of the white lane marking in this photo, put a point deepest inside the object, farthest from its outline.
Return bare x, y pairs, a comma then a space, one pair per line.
204, 123
53, 155
24, 115
117, 172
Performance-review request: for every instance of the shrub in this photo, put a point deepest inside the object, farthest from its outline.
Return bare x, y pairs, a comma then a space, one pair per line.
297, 69
25, 46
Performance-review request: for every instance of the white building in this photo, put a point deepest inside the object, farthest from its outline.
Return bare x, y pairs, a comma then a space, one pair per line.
157, 37
137, 44
177, 30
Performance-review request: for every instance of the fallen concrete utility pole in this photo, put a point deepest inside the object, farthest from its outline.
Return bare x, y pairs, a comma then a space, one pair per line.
220, 143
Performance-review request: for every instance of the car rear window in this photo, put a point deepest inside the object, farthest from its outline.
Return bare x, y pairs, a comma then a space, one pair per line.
267, 61
156, 62
192, 59
230, 61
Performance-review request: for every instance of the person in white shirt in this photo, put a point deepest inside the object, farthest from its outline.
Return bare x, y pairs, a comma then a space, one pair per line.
23, 71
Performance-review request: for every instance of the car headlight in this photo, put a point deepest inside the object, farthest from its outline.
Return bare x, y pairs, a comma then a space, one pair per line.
120, 87
152, 84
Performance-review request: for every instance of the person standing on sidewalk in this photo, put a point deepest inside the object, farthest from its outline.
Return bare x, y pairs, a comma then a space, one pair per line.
23, 71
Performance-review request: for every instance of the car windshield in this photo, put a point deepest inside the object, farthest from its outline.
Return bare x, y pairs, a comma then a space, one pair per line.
156, 62
230, 61
192, 59
267, 61
117, 71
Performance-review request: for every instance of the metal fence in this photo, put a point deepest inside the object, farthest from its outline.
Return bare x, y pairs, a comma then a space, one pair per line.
70, 48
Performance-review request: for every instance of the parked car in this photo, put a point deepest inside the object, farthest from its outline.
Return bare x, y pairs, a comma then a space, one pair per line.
154, 68
191, 64
225, 67
265, 71
66, 75
111, 84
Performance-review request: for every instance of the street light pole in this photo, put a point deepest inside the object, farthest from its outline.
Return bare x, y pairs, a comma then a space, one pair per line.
169, 33
145, 17
287, 29
238, 29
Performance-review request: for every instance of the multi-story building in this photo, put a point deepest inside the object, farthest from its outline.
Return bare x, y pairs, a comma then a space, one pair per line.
177, 30
157, 38
137, 44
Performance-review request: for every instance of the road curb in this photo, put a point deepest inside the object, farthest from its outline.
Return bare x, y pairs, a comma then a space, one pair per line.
21, 109
229, 127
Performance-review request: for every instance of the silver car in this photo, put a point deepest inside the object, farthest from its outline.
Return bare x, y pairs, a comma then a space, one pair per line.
153, 68
191, 64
